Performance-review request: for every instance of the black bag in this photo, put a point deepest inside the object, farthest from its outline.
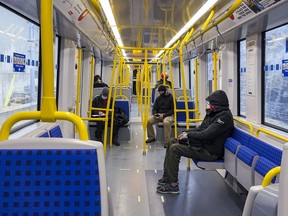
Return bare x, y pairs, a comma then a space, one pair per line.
120, 117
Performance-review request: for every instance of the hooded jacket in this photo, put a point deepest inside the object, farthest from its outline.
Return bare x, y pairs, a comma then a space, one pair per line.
216, 127
164, 104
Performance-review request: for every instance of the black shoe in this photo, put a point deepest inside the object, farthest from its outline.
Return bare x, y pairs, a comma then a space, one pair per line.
168, 189
162, 182
149, 140
116, 142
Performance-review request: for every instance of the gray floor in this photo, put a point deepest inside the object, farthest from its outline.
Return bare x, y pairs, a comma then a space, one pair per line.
132, 178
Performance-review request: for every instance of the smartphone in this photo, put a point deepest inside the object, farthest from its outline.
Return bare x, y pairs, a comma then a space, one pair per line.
157, 115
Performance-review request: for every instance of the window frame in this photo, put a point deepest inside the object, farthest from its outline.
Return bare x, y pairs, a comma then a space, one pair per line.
263, 55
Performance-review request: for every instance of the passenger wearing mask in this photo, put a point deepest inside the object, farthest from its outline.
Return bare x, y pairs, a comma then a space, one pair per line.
162, 111
161, 81
98, 82
206, 142
100, 101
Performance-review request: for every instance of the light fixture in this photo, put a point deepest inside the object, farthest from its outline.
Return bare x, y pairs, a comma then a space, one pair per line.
206, 7
110, 17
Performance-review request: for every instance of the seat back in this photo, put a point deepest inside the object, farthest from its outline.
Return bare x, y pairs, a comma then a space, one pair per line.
181, 116
241, 136
123, 104
97, 91
53, 177
266, 150
55, 131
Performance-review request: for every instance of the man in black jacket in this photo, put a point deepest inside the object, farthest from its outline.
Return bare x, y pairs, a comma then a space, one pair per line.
162, 111
100, 101
205, 142
98, 83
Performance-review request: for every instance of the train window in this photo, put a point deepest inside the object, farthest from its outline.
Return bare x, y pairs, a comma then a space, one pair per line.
242, 80
19, 64
209, 74
276, 78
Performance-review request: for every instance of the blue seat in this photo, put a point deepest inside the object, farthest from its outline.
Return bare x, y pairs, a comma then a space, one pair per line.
56, 132
123, 104
44, 135
270, 157
181, 116
232, 145
61, 177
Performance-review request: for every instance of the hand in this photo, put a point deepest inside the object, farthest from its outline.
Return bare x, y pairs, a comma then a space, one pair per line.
161, 116
183, 135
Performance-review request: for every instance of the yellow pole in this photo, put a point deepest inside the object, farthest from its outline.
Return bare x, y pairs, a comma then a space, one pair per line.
48, 106
270, 175
79, 81
145, 119
91, 85
196, 91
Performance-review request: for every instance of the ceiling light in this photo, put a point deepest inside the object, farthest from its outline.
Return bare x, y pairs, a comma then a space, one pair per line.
206, 7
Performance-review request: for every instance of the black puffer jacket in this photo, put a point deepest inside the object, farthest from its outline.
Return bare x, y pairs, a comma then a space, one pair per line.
216, 126
164, 104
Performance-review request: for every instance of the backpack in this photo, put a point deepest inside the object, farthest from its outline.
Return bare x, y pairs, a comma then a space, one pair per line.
120, 117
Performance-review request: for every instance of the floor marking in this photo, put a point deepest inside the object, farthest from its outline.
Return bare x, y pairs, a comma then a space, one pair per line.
155, 170
162, 199
139, 199
137, 170
125, 169
136, 146
150, 146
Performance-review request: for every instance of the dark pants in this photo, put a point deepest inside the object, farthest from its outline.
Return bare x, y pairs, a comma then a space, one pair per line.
100, 128
175, 151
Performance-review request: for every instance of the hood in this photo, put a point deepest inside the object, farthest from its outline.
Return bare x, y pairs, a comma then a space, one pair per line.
219, 100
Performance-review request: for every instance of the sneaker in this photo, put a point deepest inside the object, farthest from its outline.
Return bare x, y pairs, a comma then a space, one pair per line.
162, 182
149, 140
168, 189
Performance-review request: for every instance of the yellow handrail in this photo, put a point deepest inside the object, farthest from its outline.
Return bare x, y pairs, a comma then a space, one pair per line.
246, 124
91, 85
215, 80
270, 175
78, 81
271, 134
180, 97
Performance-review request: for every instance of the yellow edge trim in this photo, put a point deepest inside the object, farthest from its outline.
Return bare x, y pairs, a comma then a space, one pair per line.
270, 175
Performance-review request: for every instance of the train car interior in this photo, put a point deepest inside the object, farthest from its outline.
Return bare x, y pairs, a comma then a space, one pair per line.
108, 106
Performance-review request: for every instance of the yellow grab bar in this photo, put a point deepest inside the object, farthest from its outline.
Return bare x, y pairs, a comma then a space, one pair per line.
270, 175
180, 97
271, 134
245, 123
7, 125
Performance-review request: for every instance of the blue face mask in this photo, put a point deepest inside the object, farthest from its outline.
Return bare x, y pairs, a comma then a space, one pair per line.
104, 97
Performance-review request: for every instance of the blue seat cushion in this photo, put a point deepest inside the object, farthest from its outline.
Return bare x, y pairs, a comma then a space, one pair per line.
246, 155
53, 182
263, 166
231, 145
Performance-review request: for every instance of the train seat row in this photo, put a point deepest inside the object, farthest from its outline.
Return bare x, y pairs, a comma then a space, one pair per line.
47, 130
247, 158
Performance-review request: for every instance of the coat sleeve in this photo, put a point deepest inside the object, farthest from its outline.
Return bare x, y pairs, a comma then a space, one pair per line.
155, 106
220, 125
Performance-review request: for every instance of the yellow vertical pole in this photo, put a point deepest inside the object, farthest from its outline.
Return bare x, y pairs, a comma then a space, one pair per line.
215, 80
48, 106
11, 88
145, 115
164, 67
92, 62
79, 81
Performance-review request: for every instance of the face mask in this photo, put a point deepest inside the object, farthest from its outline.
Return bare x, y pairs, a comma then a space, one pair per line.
211, 107
104, 97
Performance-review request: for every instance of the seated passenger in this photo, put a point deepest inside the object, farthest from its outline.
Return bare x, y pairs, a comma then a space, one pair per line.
161, 81
100, 101
98, 82
206, 142
163, 110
